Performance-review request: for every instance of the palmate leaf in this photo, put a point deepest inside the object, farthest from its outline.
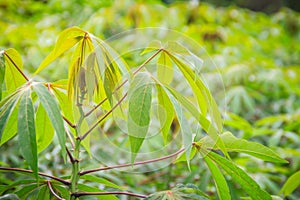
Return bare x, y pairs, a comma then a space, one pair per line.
291, 184
26, 131
233, 144
239, 176
52, 109
66, 40
140, 97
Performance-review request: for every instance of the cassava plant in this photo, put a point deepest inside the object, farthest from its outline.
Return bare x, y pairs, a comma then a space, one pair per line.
102, 89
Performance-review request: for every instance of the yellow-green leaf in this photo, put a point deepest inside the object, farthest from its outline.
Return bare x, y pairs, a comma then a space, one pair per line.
66, 40
44, 129
13, 77
165, 112
165, 71
140, 96
291, 184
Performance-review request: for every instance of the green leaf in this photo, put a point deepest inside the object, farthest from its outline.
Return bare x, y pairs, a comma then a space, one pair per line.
6, 112
26, 190
87, 188
165, 71
165, 112
2, 72
220, 182
61, 191
13, 78
9, 197
140, 96
26, 131
152, 46
291, 184
53, 111
100, 181
66, 40
44, 129
182, 157
44, 193
204, 97
186, 132
239, 176
234, 144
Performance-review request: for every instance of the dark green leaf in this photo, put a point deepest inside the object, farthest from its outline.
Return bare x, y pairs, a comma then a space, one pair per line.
26, 190
44, 193
26, 131
100, 181
234, 144
240, 177
53, 111
220, 182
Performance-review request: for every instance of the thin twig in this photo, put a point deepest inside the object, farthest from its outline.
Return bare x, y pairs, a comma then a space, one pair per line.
39, 173
69, 122
16, 66
78, 194
103, 117
53, 192
72, 159
124, 82
134, 164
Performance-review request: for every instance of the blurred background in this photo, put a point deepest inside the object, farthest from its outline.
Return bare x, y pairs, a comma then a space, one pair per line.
254, 44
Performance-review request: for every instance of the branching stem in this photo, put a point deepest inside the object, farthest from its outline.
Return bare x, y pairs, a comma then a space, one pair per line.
103, 117
53, 192
134, 164
125, 81
39, 173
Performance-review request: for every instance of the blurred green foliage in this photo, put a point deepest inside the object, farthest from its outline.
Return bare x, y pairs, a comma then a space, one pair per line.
256, 54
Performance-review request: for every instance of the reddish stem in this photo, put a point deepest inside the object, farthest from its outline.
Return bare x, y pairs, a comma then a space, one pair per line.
39, 173
52, 191
16, 66
78, 194
134, 164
